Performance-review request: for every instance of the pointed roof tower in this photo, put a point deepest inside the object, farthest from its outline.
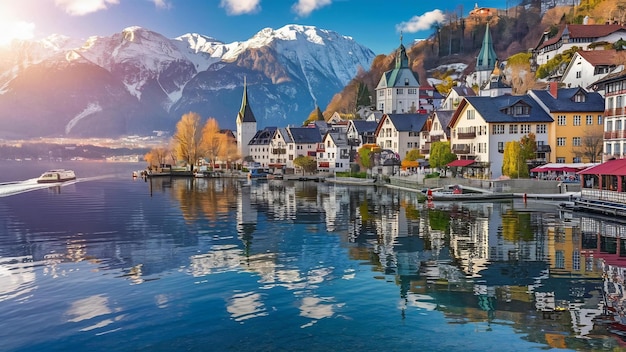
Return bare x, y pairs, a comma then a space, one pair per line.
402, 60
245, 113
486, 60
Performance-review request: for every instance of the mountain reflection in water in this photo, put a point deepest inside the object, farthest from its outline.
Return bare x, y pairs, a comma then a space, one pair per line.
266, 265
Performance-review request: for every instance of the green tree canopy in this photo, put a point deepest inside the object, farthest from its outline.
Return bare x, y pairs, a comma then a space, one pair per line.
413, 155
306, 163
441, 155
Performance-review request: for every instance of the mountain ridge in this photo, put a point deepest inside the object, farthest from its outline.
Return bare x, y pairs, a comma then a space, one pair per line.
137, 81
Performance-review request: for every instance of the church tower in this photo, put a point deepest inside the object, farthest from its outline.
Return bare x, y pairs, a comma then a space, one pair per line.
486, 60
246, 124
397, 91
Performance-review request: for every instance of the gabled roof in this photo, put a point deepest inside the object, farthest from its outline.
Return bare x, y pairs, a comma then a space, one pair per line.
405, 122
564, 101
284, 132
339, 138
263, 137
599, 57
305, 135
576, 31
444, 117
364, 126
464, 91
491, 109
611, 77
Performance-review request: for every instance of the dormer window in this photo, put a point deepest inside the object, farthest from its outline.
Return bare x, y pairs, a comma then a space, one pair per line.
406, 81
580, 97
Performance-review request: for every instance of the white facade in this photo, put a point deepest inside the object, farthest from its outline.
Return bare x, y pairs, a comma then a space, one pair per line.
582, 73
388, 136
333, 153
398, 100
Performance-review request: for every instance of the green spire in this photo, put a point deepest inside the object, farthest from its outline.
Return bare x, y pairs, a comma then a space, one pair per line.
245, 113
402, 60
487, 58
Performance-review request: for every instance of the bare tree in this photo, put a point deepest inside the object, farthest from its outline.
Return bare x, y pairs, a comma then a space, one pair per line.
187, 139
591, 145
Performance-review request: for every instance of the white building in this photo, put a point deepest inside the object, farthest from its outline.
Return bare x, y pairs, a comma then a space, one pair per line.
333, 153
246, 125
397, 91
589, 66
401, 132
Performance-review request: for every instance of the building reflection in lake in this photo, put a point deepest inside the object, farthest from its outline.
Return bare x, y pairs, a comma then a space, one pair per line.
559, 280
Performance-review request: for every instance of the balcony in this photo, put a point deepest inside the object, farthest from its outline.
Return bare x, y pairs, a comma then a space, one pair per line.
543, 148
466, 135
279, 151
436, 137
461, 148
610, 135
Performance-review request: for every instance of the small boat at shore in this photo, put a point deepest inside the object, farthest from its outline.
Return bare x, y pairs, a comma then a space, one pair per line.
57, 175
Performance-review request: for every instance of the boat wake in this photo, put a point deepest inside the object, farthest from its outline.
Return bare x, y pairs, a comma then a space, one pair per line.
17, 187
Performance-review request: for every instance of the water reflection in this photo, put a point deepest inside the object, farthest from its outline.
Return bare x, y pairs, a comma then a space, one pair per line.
499, 263
555, 280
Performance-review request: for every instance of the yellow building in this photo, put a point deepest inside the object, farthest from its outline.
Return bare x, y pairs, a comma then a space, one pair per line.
576, 134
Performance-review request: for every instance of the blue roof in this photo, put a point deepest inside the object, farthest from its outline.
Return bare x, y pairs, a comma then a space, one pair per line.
364, 126
565, 102
492, 109
303, 135
408, 122
263, 137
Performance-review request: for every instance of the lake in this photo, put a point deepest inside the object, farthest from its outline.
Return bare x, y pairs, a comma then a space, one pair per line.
108, 262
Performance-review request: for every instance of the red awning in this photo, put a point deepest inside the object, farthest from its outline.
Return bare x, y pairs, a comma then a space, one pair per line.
616, 167
461, 162
554, 169
324, 164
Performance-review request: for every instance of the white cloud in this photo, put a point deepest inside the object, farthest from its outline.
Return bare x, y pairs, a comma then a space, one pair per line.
15, 30
162, 4
305, 7
240, 7
423, 22
84, 7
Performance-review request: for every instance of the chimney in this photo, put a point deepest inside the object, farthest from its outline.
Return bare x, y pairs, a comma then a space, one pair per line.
554, 89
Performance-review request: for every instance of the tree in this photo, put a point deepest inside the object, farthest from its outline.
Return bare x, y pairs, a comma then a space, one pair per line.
156, 156
528, 150
307, 164
187, 139
413, 155
441, 155
591, 146
365, 155
315, 115
213, 141
511, 159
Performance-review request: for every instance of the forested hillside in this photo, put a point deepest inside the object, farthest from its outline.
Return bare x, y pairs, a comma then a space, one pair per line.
514, 31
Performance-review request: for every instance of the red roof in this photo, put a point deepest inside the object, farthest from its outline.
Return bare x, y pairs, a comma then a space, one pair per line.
616, 167
584, 31
461, 162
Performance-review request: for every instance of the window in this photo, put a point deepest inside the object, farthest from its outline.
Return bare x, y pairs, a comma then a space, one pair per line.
618, 125
412, 91
500, 146
560, 160
541, 128
399, 91
599, 119
512, 129
409, 145
497, 129
381, 93
578, 74
577, 160
559, 260
482, 147
562, 120
589, 120
576, 260
560, 141
576, 142
525, 129
608, 148
470, 114
406, 81
576, 120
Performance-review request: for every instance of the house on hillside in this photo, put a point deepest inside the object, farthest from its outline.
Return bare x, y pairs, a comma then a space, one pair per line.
402, 132
571, 35
495, 86
614, 87
577, 126
455, 96
588, 66
481, 126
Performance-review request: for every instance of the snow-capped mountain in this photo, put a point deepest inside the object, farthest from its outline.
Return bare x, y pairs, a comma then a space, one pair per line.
138, 81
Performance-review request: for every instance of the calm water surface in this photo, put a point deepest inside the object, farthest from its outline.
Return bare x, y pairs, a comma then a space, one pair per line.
114, 263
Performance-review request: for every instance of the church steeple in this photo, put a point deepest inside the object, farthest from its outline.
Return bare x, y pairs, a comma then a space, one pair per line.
245, 113
487, 58
402, 60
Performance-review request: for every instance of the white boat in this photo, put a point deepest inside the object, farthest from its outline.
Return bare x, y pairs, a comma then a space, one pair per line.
58, 175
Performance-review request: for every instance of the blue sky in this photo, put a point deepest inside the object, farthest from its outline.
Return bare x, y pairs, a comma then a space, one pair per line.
374, 23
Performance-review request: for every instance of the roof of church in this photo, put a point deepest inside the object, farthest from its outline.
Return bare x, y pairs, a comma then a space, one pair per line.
245, 113
487, 57
402, 64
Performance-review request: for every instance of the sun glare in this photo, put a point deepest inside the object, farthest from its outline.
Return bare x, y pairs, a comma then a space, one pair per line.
11, 30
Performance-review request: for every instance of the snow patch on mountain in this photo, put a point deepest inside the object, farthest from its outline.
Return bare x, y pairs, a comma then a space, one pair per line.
92, 108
